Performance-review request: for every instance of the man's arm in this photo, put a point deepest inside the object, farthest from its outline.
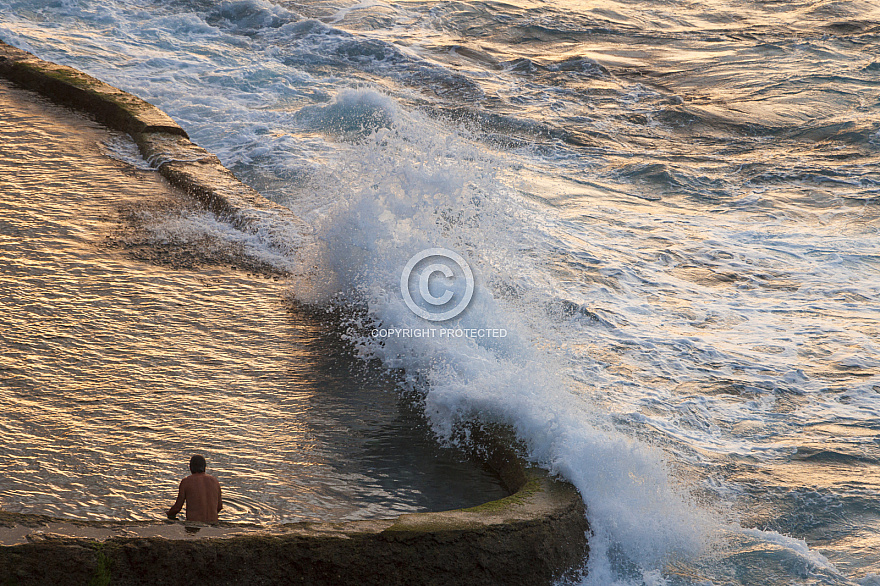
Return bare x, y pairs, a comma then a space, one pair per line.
181, 497
219, 498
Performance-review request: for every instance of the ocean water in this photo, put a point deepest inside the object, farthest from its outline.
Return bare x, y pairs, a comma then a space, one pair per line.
670, 209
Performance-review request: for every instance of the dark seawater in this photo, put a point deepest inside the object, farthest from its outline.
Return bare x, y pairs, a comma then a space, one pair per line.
672, 208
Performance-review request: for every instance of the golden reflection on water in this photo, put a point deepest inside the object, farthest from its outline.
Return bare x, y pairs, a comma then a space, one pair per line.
113, 372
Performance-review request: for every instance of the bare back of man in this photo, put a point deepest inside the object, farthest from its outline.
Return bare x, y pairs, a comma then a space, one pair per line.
202, 495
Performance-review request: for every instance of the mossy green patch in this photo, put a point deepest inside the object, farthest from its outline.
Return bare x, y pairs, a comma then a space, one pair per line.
101, 576
447, 521
529, 489
435, 524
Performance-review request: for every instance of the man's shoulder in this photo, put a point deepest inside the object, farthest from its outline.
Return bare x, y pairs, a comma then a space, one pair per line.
204, 477
201, 478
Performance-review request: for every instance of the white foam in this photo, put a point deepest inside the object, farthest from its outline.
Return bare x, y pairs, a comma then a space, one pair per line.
419, 186
798, 547
197, 226
122, 148
615, 403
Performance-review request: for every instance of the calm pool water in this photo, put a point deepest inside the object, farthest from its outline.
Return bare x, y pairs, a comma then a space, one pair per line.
133, 335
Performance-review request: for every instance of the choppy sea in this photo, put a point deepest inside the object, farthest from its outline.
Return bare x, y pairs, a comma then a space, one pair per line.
670, 209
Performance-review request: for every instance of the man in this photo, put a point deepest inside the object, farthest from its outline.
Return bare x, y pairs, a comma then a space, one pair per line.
201, 492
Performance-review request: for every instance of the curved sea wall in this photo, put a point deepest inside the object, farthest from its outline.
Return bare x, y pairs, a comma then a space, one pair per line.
533, 536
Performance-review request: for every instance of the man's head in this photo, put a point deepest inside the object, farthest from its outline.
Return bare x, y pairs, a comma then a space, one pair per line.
197, 464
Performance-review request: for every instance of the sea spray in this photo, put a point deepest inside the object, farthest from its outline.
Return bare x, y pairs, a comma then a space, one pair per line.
414, 185
703, 262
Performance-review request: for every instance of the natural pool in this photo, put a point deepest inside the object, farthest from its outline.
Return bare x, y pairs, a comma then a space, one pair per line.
137, 330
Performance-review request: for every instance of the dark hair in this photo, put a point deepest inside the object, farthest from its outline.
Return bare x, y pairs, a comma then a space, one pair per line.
197, 464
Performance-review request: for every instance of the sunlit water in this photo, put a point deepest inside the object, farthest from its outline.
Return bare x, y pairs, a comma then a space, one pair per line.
672, 208
114, 371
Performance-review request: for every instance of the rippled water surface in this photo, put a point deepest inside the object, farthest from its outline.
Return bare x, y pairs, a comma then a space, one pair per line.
114, 371
672, 207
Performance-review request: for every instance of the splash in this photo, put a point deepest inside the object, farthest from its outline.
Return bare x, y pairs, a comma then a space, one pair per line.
414, 185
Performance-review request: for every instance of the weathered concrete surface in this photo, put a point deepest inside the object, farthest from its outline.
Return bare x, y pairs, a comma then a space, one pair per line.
199, 172
530, 537
163, 143
110, 105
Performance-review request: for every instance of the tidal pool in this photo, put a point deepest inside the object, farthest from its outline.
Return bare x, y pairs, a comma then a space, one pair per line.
136, 330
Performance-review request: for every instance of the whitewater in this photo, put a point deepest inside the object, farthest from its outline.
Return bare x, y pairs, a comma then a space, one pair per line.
671, 211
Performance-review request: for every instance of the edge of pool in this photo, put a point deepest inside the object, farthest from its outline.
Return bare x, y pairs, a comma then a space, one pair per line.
534, 536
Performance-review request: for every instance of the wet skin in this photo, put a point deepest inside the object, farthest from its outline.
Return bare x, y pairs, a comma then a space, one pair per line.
201, 493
